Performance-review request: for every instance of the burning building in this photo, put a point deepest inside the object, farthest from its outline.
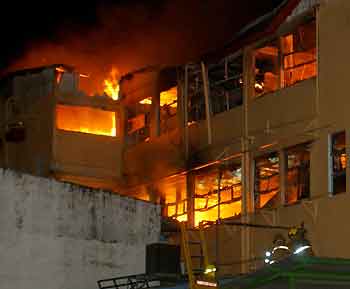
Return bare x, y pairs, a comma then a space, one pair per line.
52, 128
253, 132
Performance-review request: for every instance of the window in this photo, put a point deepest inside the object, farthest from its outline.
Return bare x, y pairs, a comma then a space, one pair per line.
168, 109
299, 54
226, 83
339, 160
196, 102
287, 60
138, 125
206, 193
173, 199
266, 180
298, 173
86, 120
267, 68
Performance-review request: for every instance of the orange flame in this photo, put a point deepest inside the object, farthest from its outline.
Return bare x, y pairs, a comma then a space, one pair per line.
112, 84
86, 120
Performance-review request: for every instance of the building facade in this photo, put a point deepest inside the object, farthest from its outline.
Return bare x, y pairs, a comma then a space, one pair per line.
256, 132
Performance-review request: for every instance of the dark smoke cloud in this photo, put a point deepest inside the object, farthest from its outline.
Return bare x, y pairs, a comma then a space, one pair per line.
95, 36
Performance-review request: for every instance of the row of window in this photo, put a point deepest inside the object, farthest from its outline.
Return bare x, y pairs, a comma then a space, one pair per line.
279, 63
267, 182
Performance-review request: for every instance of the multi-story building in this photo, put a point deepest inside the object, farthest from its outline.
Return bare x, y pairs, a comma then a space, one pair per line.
255, 132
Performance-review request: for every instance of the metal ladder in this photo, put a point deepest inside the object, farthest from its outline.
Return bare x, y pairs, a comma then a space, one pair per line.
194, 275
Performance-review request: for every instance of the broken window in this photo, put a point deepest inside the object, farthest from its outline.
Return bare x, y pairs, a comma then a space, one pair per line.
207, 194
266, 180
86, 120
267, 69
173, 199
298, 173
196, 101
138, 124
339, 160
225, 80
299, 54
168, 109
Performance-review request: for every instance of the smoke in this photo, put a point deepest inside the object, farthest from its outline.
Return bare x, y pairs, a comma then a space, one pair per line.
133, 34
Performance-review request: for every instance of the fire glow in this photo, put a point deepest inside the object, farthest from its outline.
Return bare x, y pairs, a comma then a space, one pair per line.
111, 85
86, 120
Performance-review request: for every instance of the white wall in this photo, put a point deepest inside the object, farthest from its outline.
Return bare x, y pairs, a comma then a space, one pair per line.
56, 235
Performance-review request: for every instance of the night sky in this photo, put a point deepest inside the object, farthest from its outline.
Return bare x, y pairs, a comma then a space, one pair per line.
95, 35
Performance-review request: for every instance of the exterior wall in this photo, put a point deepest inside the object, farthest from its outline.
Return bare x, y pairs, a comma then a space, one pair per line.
333, 80
327, 101
47, 151
33, 95
81, 157
226, 131
88, 155
157, 158
57, 235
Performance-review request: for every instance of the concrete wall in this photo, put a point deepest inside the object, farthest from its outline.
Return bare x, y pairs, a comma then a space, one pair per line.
157, 158
87, 155
33, 93
57, 235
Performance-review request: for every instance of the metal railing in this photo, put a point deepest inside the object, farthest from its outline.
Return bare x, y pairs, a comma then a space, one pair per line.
129, 282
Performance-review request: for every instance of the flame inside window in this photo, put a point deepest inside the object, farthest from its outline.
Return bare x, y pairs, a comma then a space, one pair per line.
111, 85
167, 98
86, 120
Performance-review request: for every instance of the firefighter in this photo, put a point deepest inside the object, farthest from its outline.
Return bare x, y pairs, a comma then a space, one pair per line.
298, 243
279, 251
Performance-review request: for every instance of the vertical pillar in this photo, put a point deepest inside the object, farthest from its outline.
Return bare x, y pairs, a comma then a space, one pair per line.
185, 112
190, 189
247, 181
207, 101
155, 110
182, 109
226, 93
283, 176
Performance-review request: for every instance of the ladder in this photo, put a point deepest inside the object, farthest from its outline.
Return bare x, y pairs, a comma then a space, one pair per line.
195, 276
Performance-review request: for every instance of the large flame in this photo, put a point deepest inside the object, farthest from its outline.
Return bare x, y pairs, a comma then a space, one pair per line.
112, 84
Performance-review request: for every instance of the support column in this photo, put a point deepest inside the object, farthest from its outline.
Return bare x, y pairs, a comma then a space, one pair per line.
247, 175
190, 189
182, 110
185, 112
207, 101
283, 176
155, 111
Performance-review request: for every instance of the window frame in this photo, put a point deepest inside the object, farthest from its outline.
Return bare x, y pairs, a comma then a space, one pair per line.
331, 173
307, 17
